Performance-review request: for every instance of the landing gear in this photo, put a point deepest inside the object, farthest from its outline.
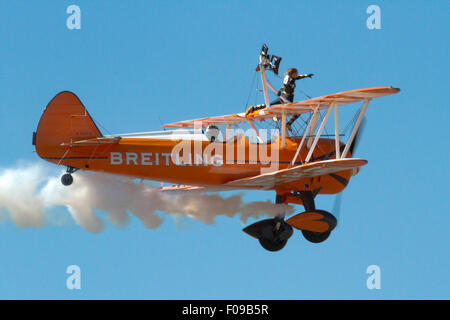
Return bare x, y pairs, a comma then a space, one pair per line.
316, 225
316, 237
67, 178
272, 234
271, 245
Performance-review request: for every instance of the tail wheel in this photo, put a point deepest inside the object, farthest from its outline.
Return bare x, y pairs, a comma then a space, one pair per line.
67, 179
316, 237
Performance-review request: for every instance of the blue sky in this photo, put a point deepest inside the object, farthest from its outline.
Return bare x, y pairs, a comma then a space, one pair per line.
135, 64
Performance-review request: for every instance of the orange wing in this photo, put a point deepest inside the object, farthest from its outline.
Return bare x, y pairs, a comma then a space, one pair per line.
305, 106
308, 170
340, 98
274, 179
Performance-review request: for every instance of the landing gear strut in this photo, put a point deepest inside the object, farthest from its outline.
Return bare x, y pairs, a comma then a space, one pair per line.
67, 178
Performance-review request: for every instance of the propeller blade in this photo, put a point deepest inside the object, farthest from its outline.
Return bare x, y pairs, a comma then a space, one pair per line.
358, 134
338, 199
337, 206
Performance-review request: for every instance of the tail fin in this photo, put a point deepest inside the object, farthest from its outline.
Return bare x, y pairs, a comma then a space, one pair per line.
64, 120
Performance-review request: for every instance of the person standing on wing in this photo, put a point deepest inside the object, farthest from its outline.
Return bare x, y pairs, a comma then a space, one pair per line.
287, 91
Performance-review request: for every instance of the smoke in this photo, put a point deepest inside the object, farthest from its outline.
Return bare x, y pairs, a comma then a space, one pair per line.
29, 192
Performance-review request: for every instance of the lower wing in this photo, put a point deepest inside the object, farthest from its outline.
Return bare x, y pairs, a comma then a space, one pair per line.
273, 179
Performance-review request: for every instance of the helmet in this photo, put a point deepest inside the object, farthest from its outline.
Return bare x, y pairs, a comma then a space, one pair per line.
212, 133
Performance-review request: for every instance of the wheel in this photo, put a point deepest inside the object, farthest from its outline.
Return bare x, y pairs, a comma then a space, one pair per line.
272, 245
316, 237
272, 234
67, 179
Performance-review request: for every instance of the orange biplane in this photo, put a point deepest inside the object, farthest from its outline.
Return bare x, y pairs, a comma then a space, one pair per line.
195, 155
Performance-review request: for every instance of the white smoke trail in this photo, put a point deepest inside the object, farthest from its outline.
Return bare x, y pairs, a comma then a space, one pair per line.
17, 195
28, 191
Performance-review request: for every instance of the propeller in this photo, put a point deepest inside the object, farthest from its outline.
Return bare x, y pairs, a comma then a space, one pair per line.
338, 199
358, 135
337, 205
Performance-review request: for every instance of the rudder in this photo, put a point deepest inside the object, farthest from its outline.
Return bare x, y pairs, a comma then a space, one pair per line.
64, 120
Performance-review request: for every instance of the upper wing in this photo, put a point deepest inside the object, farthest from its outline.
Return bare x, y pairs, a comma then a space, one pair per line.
308, 170
340, 98
305, 106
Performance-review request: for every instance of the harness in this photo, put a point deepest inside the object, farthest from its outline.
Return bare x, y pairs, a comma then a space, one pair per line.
288, 88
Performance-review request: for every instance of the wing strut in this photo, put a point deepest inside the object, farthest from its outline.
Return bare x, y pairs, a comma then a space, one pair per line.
305, 134
256, 131
322, 125
313, 127
336, 131
283, 130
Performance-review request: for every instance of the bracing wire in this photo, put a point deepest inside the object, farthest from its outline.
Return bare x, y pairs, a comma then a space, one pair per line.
352, 121
97, 122
250, 91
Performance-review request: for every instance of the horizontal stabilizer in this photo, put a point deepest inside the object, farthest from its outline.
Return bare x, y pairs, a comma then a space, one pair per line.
185, 188
179, 188
95, 141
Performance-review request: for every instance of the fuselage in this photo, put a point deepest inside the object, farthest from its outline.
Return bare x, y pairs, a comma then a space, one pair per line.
194, 160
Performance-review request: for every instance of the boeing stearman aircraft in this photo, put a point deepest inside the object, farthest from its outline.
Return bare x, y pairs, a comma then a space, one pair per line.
195, 156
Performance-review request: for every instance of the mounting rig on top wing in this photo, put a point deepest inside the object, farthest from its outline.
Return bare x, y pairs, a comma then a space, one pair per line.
267, 62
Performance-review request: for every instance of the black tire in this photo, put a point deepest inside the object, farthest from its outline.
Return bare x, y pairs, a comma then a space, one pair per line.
316, 237
67, 179
272, 245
